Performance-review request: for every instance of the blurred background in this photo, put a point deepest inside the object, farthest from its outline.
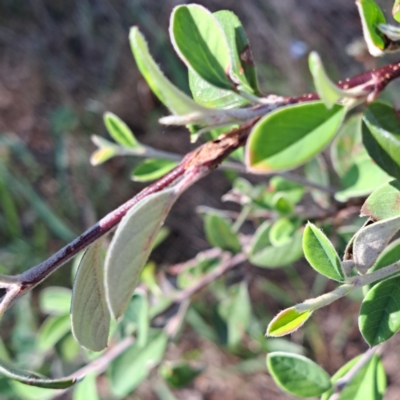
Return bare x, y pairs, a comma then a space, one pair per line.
63, 63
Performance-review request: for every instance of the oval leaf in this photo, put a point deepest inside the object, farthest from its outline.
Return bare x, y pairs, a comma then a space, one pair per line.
131, 247
281, 232
264, 254
369, 383
381, 136
52, 331
370, 242
371, 16
55, 300
287, 321
297, 374
32, 379
383, 203
90, 318
219, 233
379, 317
321, 254
173, 98
119, 131
152, 169
201, 44
304, 130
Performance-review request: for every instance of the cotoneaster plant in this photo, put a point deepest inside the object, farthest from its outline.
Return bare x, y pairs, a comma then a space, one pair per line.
277, 133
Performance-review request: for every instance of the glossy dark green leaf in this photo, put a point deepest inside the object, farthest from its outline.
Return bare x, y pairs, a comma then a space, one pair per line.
131, 247
201, 44
379, 317
371, 16
287, 321
264, 254
219, 233
173, 98
133, 366
242, 69
297, 374
321, 254
304, 130
152, 169
119, 131
381, 136
32, 379
52, 331
369, 383
55, 300
383, 203
371, 240
90, 318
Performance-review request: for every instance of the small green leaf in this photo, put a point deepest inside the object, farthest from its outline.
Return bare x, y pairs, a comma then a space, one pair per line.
119, 131
179, 375
304, 130
219, 233
133, 366
174, 99
396, 10
287, 321
321, 254
297, 374
264, 254
55, 300
243, 69
371, 241
102, 155
53, 330
383, 203
138, 314
292, 190
152, 169
32, 379
90, 318
327, 91
131, 247
87, 389
201, 44
369, 383
282, 231
371, 16
381, 136
379, 317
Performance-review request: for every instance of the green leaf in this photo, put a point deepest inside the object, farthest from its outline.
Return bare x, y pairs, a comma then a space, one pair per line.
90, 318
287, 321
292, 190
281, 232
297, 374
201, 44
131, 247
304, 130
396, 10
179, 375
174, 99
119, 131
236, 312
369, 383
383, 203
316, 171
379, 317
242, 69
87, 389
32, 379
152, 169
327, 91
361, 179
381, 136
55, 300
371, 16
371, 240
133, 366
219, 233
105, 151
138, 313
321, 254
52, 330
264, 254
